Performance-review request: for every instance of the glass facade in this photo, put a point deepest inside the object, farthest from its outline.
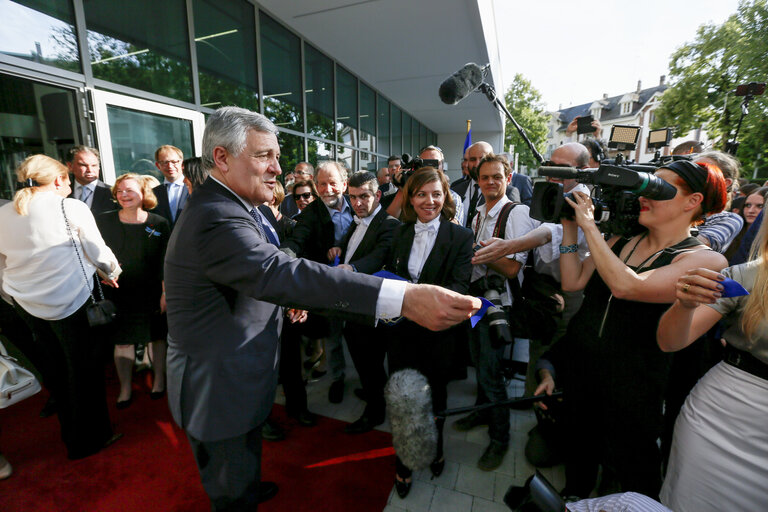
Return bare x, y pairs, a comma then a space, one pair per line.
242, 57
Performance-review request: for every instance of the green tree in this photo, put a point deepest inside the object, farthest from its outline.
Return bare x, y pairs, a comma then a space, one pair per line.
524, 103
704, 75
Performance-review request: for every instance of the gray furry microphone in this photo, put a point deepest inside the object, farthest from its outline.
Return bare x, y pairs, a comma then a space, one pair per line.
409, 406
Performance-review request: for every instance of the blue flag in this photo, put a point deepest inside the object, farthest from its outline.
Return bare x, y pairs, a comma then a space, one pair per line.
468, 140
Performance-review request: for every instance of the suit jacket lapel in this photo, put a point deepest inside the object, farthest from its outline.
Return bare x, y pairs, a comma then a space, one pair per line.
434, 262
370, 234
404, 252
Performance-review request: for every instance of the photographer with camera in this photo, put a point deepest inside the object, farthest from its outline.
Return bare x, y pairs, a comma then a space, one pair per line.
609, 364
490, 337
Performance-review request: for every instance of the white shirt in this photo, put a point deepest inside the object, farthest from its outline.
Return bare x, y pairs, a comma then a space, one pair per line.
359, 233
519, 223
390, 302
423, 242
78, 192
38, 265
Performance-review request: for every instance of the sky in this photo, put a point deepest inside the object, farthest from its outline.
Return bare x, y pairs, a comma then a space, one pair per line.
573, 52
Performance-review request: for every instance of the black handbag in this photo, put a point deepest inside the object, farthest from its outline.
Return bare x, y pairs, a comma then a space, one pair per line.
98, 312
535, 310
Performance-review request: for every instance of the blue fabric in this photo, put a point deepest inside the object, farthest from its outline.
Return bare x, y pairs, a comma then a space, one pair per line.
263, 228
341, 221
742, 255
468, 140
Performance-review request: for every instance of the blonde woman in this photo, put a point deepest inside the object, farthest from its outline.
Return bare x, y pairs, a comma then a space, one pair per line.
41, 273
139, 239
719, 458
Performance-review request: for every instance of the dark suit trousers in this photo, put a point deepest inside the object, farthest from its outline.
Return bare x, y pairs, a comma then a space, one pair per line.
76, 379
367, 349
230, 470
290, 368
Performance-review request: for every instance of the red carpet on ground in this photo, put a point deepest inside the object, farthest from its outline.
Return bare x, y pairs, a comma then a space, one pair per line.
152, 469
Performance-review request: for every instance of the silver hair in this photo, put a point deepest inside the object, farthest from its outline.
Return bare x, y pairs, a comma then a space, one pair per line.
228, 127
327, 165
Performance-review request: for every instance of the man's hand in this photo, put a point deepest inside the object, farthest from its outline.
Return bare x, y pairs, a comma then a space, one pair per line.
346, 267
437, 308
493, 249
547, 386
163, 305
333, 252
296, 315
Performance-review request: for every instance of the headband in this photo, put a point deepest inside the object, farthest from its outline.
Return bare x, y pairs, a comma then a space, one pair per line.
694, 175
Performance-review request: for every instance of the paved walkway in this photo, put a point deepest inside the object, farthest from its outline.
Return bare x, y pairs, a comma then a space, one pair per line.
462, 487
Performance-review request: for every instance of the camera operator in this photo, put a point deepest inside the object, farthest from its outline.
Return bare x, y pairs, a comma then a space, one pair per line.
613, 371
488, 340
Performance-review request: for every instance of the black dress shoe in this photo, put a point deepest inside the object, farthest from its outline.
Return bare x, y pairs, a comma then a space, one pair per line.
305, 418
267, 491
124, 404
157, 395
336, 391
402, 487
363, 424
437, 467
271, 431
49, 409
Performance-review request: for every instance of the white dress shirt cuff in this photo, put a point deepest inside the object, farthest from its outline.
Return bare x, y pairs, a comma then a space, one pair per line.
390, 303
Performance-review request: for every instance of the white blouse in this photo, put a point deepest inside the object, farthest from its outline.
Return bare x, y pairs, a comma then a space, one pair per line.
423, 241
38, 265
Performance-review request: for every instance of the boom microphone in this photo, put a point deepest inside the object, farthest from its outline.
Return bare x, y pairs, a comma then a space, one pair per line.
462, 83
564, 172
409, 407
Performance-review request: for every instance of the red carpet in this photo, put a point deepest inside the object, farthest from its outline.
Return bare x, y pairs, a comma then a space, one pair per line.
152, 469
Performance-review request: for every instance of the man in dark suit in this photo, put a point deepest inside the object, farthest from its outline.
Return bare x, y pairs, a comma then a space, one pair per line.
171, 194
320, 227
224, 279
84, 165
364, 249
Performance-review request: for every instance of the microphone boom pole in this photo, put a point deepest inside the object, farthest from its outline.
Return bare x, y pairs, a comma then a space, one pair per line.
490, 93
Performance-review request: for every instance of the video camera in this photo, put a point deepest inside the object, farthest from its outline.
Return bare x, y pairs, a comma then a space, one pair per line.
615, 193
410, 165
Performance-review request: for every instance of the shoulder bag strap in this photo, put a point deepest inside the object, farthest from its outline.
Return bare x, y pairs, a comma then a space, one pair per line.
79, 259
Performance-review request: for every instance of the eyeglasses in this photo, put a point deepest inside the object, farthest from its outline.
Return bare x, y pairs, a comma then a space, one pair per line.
165, 163
305, 195
304, 173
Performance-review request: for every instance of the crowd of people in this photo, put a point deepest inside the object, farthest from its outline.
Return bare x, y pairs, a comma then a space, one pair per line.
222, 243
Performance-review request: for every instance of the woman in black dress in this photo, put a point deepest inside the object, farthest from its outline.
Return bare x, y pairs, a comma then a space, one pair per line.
610, 367
138, 239
428, 248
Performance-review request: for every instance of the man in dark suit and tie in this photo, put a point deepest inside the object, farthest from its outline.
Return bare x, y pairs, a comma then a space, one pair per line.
171, 194
224, 280
364, 249
84, 165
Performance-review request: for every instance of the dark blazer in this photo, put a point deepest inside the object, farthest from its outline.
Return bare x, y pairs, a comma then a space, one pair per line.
102, 197
460, 185
224, 284
370, 254
288, 207
523, 184
313, 233
163, 206
448, 264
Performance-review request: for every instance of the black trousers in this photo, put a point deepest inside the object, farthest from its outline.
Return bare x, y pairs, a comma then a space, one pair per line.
75, 379
290, 368
367, 349
230, 470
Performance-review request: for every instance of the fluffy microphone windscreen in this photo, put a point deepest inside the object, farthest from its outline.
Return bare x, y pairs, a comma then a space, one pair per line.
457, 86
409, 406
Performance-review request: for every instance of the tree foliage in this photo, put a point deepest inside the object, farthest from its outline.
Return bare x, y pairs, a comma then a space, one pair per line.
704, 75
524, 103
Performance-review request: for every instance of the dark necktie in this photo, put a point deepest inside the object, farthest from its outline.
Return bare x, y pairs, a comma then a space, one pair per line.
263, 230
472, 205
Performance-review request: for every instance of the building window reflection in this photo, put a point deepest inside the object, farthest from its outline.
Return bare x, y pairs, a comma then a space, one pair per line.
130, 48
346, 107
318, 76
225, 40
382, 124
367, 118
397, 131
281, 60
291, 150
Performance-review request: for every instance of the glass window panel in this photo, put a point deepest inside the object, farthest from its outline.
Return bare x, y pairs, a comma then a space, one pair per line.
347, 157
367, 118
397, 133
225, 38
383, 124
346, 107
367, 162
415, 142
135, 136
318, 73
41, 31
34, 118
281, 58
319, 151
148, 52
407, 145
291, 150
423, 136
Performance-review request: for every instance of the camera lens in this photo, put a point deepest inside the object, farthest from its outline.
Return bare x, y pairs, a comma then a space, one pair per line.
655, 188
